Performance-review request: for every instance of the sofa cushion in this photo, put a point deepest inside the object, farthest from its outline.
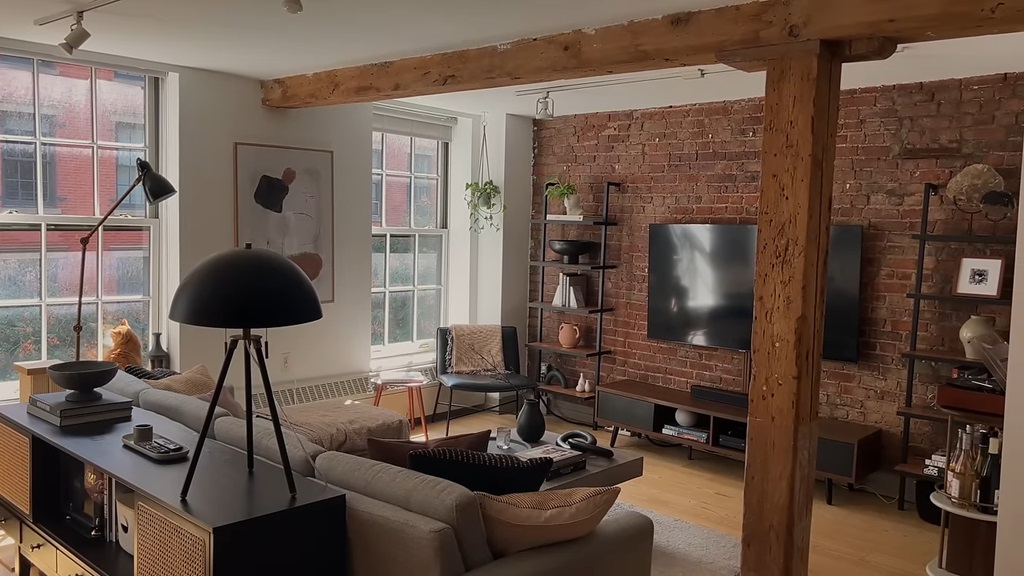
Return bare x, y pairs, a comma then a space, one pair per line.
428, 546
186, 410
128, 386
301, 452
396, 452
191, 382
435, 498
226, 401
518, 522
483, 472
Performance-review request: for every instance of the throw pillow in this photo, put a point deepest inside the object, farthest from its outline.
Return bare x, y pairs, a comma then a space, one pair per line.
126, 347
226, 401
482, 472
518, 522
190, 383
143, 373
396, 452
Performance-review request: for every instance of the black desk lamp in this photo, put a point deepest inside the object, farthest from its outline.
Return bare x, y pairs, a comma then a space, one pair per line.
245, 288
84, 376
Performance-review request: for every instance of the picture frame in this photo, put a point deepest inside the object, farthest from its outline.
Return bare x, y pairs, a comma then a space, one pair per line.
980, 277
284, 202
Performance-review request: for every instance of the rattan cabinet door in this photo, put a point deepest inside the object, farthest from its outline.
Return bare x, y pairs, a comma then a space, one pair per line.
168, 545
14, 473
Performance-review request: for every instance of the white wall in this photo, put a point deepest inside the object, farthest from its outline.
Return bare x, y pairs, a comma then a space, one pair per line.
212, 111
1009, 552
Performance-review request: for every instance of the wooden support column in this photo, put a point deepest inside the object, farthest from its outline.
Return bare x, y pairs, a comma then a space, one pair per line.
800, 122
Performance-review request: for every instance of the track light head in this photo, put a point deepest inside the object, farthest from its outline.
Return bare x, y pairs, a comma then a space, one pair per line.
292, 6
77, 37
545, 107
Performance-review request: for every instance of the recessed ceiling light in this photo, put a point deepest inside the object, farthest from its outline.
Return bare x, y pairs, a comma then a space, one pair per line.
292, 6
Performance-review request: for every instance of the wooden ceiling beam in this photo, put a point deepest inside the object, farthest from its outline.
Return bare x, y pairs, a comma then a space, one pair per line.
859, 50
676, 40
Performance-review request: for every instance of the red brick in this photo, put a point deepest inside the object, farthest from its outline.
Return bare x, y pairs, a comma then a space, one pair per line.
705, 167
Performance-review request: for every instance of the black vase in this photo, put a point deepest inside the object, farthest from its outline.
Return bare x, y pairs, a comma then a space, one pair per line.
158, 356
530, 423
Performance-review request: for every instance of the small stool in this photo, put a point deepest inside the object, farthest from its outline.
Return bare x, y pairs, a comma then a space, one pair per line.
414, 394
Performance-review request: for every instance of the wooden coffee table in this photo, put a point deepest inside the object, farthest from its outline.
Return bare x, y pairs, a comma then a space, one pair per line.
600, 472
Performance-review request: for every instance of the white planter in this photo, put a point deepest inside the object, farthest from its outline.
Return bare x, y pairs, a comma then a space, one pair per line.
969, 332
573, 205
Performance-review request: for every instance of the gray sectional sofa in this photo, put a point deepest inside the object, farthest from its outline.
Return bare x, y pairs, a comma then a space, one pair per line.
403, 522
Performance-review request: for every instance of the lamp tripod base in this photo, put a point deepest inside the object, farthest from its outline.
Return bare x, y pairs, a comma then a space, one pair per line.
251, 347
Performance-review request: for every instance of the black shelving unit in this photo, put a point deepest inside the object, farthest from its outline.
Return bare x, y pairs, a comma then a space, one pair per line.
911, 467
597, 308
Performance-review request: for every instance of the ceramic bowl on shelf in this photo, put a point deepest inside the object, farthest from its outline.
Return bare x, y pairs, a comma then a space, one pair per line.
570, 250
82, 377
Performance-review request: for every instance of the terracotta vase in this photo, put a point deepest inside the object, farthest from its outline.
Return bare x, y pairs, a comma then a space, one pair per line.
569, 335
969, 332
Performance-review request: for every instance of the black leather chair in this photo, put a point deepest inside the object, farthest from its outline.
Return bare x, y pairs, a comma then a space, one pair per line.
513, 381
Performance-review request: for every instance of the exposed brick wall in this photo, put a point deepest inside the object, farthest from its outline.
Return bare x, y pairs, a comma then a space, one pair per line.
701, 164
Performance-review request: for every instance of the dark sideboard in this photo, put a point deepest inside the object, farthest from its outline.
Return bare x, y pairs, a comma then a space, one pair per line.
233, 522
847, 451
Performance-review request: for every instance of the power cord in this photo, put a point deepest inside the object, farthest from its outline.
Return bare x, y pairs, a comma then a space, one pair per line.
286, 424
875, 492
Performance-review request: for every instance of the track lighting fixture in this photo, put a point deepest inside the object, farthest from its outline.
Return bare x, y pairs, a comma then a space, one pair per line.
545, 107
292, 6
77, 37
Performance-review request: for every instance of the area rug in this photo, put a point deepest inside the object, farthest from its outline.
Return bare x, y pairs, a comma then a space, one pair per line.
684, 548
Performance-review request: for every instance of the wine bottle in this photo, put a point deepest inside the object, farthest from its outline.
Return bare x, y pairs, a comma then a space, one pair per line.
962, 476
983, 456
988, 481
951, 481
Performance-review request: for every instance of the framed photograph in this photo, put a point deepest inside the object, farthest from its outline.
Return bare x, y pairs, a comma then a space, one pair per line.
284, 202
980, 277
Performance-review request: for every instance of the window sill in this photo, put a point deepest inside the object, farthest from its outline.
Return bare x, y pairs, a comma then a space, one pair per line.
395, 362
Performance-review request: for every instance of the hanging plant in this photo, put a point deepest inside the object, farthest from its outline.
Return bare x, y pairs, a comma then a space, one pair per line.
483, 197
484, 202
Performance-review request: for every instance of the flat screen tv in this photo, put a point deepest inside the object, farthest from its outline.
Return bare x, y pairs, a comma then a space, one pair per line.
701, 287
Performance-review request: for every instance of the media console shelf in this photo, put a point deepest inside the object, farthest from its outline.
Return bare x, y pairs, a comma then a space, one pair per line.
215, 532
847, 452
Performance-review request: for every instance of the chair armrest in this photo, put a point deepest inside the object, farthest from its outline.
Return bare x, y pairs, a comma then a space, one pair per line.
621, 544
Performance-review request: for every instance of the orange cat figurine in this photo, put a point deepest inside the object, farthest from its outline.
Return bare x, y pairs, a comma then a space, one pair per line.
127, 347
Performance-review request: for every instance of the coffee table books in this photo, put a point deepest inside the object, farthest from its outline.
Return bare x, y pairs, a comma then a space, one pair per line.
566, 461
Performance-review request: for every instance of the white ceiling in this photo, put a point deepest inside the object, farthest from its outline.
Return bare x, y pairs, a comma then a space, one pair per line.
913, 63
257, 38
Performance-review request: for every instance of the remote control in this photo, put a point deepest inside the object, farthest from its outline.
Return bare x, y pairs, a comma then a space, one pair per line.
159, 448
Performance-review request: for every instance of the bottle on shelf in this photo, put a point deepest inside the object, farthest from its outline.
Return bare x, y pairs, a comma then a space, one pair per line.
961, 475
988, 480
982, 442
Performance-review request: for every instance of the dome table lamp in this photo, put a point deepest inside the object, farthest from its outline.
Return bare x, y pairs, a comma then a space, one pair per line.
247, 289
82, 377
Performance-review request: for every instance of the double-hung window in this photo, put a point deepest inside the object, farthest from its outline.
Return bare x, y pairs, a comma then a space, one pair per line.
69, 138
409, 242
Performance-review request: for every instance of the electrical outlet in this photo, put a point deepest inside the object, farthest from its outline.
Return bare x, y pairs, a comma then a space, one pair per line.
285, 361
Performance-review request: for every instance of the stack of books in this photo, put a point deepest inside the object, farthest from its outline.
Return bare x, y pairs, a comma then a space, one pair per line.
566, 217
399, 377
935, 465
566, 460
687, 432
571, 291
56, 410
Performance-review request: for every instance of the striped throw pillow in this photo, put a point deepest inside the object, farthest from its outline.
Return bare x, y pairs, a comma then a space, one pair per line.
518, 522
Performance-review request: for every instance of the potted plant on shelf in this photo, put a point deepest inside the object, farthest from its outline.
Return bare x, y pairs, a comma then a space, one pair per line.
484, 202
566, 192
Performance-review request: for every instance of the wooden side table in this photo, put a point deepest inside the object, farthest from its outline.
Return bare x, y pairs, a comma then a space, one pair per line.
32, 378
414, 394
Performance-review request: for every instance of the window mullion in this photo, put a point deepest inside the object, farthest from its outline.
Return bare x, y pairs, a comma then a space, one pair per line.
42, 291
415, 285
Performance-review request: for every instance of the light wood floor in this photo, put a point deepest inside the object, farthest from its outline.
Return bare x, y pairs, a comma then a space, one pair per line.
858, 535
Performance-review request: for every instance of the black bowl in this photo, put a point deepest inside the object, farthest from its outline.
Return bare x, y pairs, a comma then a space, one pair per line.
82, 377
570, 250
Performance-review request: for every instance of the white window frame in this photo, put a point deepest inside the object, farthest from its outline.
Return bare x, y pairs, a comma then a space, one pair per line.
149, 150
423, 344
